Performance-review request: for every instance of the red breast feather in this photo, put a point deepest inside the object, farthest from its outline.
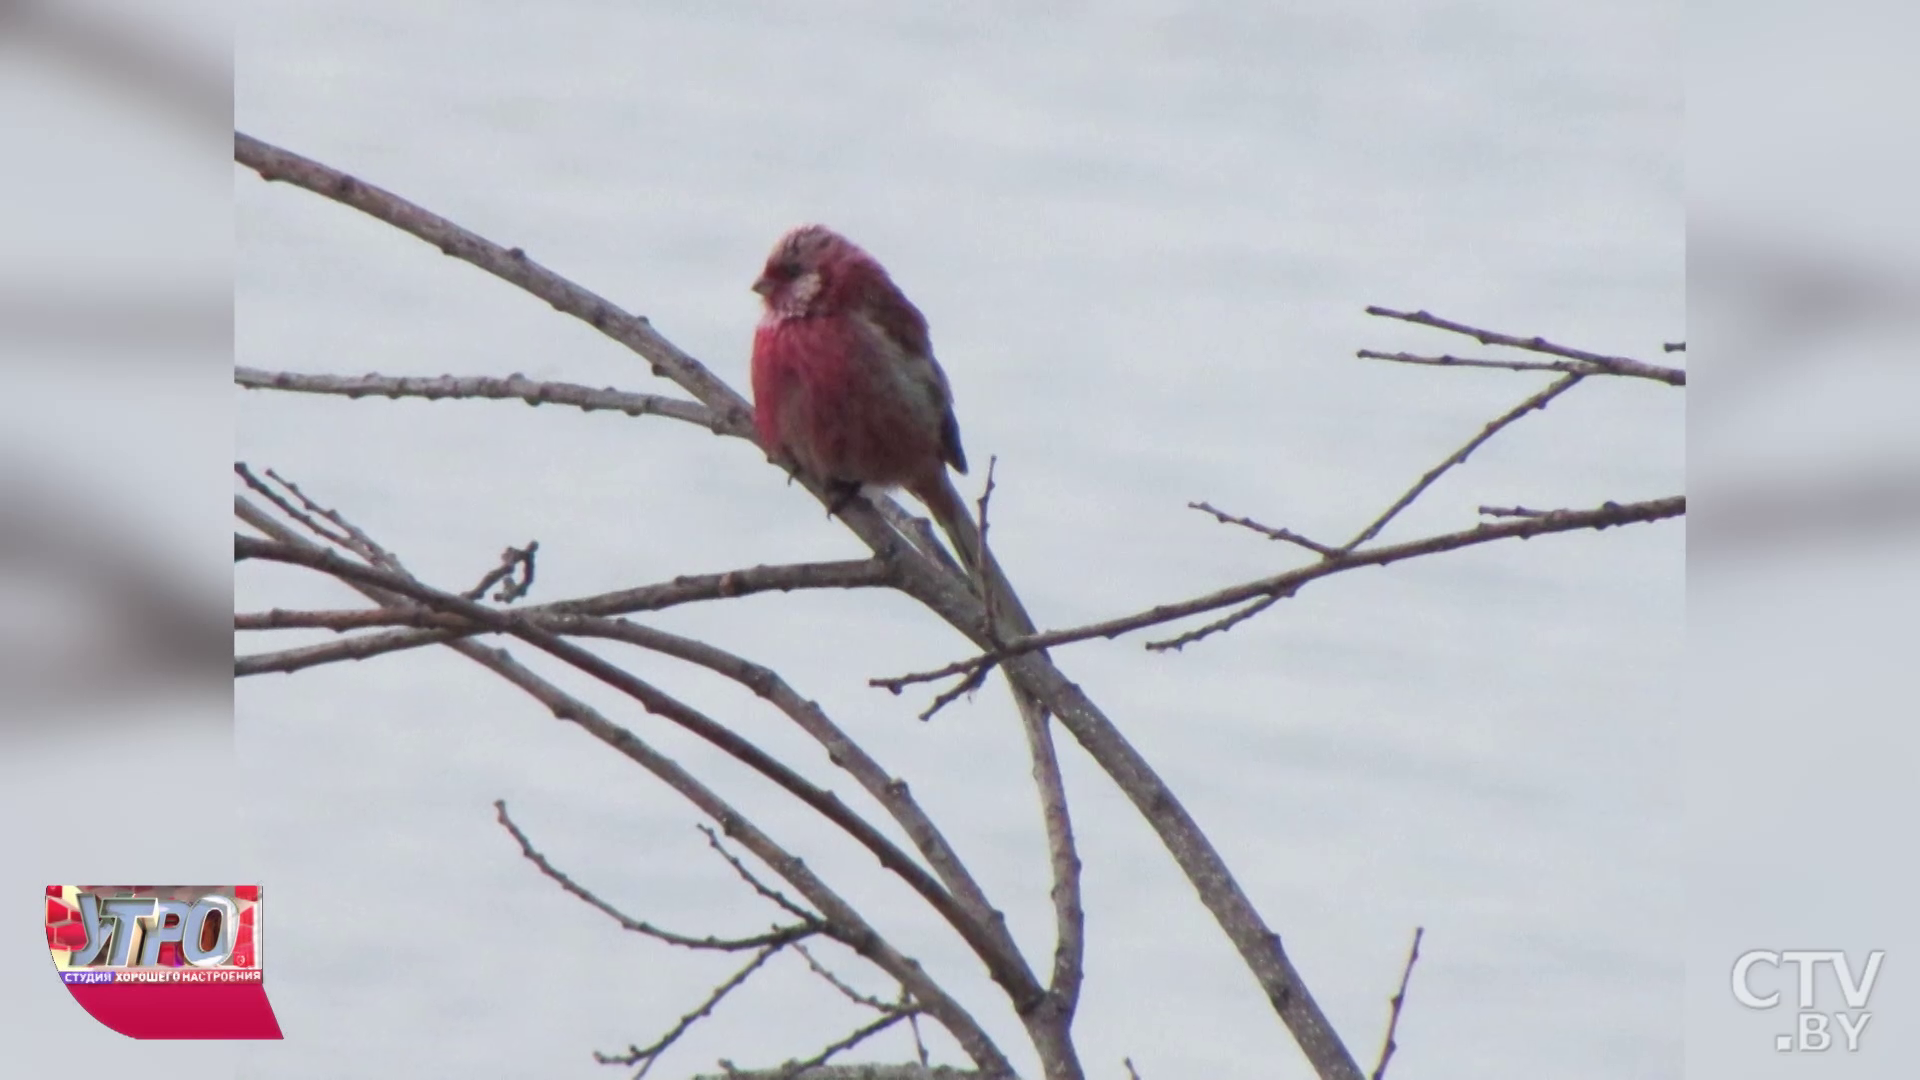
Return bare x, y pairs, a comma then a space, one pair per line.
849, 387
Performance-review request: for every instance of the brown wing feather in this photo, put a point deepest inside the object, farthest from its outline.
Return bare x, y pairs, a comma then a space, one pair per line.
950, 430
890, 312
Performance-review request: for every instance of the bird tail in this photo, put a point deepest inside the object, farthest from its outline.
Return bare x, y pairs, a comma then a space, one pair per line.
950, 511
1006, 616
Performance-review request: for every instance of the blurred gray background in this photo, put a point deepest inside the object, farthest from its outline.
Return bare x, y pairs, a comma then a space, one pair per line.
1143, 235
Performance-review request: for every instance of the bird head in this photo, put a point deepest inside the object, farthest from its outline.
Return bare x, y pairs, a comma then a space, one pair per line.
803, 268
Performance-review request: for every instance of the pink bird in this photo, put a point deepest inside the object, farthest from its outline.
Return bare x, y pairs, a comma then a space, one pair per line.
845, 383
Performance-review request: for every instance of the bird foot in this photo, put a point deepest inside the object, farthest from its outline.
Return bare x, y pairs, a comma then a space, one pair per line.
841, 493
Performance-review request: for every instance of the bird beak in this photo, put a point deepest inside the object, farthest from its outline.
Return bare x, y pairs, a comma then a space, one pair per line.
764, 286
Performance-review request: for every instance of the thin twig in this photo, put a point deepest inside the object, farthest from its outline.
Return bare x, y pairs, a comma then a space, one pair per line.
1535, 402
1232, 620
646, 1056
1063, 858
846, 991
1607, 515
1564, 367
510, 560
987, 594
748, 876
1612, 365
795, 1068
690, 588
919, 1043
365, 546
976, 678
1398, 1000
1268, 531
809, 925
286, 507
1513, 512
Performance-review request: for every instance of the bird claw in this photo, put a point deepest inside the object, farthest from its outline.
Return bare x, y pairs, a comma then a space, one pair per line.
840, 493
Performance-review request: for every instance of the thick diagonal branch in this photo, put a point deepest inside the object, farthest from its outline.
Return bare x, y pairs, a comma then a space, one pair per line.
1009, 971
843, 921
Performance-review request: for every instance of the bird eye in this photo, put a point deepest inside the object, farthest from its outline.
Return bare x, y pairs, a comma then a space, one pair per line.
785, 270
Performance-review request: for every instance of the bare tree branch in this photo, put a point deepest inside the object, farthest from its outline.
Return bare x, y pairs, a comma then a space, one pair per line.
1605, 516
975, 679
1537, 401
1220, 625
837, 983
513, 387
1398, 1000
841, 921
1267, 531
892, 793
1069, 916
1565, 367
1049, 1019
1512, 512
795, 1068
286, 507
345, 619
510, 264
1608, 365
779, 936
767, 891
1007, 970
356, 541
645, 1056
1258, 945
690, 588
510, 560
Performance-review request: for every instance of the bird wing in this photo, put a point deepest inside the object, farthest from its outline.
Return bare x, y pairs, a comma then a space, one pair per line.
950, 425
898, 326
